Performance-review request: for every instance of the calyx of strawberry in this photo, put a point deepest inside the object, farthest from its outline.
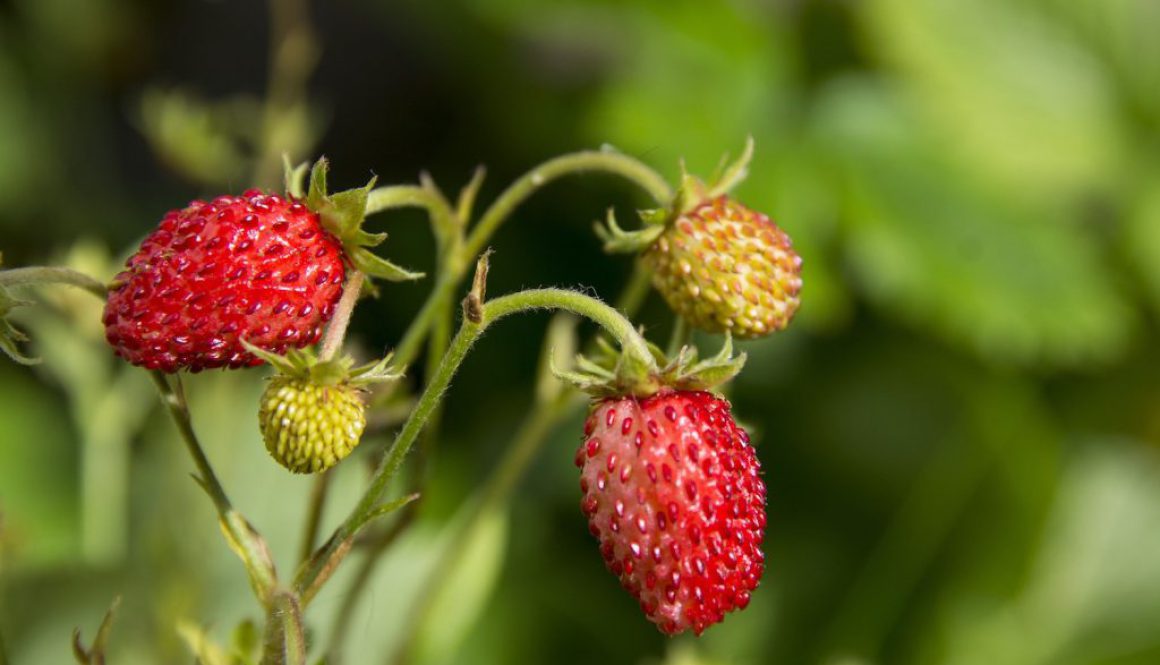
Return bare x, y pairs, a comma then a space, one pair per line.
691, 193
610, 373
304, 364
342, 215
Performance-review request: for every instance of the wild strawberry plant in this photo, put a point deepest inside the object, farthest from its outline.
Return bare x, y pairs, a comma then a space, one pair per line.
670, 485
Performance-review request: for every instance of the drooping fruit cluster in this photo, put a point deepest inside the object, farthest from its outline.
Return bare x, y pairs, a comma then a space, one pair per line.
256, 267
309, 427
672, 491
724, 267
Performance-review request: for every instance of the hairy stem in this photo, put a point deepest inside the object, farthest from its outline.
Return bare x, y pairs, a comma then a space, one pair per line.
285, 640
243, 539
336, 330
479, 317
415, 196
614, 163
52, 275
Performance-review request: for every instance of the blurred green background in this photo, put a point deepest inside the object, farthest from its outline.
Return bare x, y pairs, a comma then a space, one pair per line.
959, 432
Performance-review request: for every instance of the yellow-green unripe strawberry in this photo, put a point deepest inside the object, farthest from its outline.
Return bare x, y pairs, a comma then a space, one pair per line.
310, 427
725, 268
312, 413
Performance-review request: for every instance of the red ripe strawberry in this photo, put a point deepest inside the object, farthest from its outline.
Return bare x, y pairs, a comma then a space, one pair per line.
672, 490
256, 267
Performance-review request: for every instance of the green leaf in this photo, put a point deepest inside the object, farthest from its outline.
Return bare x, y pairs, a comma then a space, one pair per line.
1007, 91
1141, 237
942, 250
465, 592
1093, 591
200, 140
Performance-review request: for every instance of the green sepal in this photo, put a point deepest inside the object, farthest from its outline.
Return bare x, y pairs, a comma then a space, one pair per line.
691, 193
376, 266
610, 373
304, 364
617, 240
294, 176
732, 174
343, 215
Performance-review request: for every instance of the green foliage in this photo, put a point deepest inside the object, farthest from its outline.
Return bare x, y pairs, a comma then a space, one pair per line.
958, 431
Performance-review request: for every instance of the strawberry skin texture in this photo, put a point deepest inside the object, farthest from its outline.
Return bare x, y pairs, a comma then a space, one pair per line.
256, 267
672, 491
724, 267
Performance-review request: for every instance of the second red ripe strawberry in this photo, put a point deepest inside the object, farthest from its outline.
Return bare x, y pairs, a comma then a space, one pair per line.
255, 267
672, 491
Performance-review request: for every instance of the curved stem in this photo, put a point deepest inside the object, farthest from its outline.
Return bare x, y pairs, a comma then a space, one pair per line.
336, 331
243, 539
310, 576
50, 275
415, 196
529, 436
578, 303
616, 163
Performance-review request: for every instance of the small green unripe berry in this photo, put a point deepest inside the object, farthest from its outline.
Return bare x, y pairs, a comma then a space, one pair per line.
310, 427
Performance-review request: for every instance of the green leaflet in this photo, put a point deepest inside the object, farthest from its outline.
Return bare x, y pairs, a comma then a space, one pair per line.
927, 242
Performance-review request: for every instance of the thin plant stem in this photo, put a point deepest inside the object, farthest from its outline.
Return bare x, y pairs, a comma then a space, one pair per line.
616, 163
336, 330
52, 275
458, 262
243, 539
478, 317
529, 437
318, 492
174, 400
415, 196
